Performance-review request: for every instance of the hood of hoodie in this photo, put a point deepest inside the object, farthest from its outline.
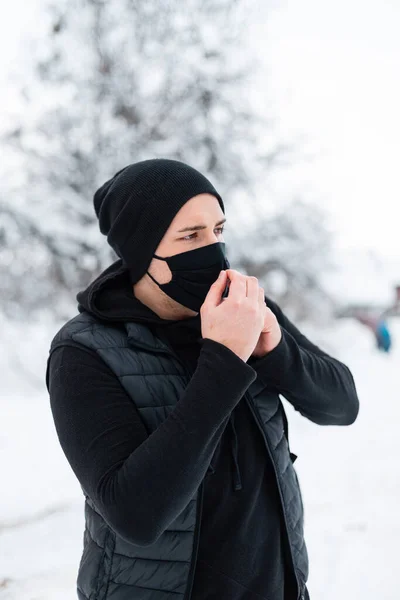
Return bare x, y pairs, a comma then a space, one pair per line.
110, 298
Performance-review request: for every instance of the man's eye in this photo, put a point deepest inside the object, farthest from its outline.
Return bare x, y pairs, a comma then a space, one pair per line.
191, 236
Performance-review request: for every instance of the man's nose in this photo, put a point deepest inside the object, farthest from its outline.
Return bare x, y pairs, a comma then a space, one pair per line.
213, 238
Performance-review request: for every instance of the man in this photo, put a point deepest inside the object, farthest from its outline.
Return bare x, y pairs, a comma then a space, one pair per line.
165, 396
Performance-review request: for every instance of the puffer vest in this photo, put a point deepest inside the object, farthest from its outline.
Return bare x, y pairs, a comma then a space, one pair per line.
155, 378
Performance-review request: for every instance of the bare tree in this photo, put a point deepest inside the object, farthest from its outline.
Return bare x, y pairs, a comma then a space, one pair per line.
117, 82
120, 82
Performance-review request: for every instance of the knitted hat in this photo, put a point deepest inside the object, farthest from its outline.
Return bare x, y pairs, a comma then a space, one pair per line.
137, 205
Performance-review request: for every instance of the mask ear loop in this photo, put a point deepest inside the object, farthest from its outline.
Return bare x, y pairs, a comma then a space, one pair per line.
151, 276
160, 257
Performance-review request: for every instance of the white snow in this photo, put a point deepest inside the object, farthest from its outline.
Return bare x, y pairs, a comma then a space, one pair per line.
349, 477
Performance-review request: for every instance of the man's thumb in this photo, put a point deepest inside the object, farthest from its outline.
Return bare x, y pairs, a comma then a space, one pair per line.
215, 292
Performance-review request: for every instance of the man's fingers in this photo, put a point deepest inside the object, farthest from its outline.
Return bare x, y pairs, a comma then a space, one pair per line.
238, 286
217, 289
252, 289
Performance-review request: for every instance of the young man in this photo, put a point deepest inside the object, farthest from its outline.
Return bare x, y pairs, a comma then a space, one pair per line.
165, 396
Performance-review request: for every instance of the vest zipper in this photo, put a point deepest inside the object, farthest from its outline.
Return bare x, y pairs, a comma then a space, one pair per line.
259, 423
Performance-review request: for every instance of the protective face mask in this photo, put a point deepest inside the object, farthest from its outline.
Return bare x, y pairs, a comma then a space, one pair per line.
193, 273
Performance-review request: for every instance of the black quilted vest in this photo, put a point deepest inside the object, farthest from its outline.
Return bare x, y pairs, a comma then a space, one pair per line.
153, 375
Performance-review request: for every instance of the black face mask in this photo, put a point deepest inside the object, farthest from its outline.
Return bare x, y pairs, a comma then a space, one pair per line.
193, 273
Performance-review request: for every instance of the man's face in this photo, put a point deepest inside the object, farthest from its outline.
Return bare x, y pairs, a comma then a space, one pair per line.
198, 223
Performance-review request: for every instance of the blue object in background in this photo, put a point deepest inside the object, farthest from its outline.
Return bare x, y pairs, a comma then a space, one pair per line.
383, 337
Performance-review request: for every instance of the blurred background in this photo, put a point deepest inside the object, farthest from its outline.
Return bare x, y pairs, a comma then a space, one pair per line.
292, 110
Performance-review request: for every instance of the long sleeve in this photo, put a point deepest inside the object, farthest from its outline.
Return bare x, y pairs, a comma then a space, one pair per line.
319, 386
141, 482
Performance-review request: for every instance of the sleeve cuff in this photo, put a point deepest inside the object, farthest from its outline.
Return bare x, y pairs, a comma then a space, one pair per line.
273, 366
229, 361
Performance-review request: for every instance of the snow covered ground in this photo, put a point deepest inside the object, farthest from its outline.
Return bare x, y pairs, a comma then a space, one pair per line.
349, 478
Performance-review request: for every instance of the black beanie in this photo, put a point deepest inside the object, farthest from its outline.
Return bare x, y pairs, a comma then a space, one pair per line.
137, 205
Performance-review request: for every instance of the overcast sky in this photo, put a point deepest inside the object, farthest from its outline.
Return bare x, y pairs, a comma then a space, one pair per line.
331, 78
334, 75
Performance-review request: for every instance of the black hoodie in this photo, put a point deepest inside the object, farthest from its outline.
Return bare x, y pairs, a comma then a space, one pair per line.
241, 547
243, 551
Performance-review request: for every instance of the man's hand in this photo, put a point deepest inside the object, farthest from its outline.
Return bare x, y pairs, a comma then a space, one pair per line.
271, 333
235, 321
270, 336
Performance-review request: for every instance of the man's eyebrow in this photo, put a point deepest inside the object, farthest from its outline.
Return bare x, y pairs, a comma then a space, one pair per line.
198, 227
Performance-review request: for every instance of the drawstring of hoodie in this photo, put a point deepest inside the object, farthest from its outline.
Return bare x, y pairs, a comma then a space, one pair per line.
237, 481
